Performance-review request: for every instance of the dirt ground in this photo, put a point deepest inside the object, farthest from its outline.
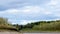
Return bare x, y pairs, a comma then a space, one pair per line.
10, 33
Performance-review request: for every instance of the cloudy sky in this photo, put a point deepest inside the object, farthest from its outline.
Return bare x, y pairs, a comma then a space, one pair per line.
24, 11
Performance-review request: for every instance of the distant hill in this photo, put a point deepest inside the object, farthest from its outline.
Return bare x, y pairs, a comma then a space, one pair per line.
42, 26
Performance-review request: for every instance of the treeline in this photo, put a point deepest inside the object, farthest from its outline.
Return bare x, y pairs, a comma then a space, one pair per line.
33, 26
40, 26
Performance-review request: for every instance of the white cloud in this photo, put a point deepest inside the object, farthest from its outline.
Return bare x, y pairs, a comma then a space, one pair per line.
24, 22
31, 9
9, 11
21, 22
26, 9
27, 12
53, 2
12, 11
48, 13
53, 7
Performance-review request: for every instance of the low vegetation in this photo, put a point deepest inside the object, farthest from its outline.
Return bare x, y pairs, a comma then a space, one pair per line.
30, 27
42, 26
5, 25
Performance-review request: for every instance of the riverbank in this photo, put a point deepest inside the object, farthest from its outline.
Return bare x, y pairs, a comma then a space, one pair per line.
9, 32
41, 33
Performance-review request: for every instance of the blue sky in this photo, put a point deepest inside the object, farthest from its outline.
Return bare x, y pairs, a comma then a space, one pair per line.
26, 11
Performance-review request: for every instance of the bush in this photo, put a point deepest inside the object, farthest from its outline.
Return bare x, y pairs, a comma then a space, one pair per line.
48, 26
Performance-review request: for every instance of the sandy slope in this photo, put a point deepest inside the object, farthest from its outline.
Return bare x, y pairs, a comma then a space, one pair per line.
10, 33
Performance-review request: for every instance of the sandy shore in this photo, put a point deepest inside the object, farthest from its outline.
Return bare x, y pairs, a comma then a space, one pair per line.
41, 33
28, 33
10, 33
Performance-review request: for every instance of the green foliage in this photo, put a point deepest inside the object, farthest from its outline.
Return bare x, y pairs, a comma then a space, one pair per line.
44, 26
3, 21
53, 26
4, 24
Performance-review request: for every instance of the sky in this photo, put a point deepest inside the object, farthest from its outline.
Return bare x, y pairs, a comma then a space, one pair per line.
26, 11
